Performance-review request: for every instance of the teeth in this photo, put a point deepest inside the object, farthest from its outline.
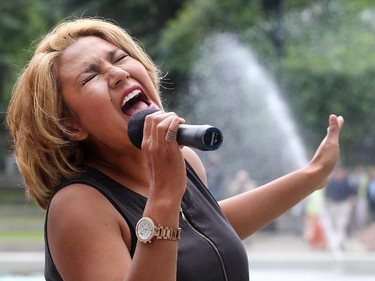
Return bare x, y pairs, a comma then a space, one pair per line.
133, 94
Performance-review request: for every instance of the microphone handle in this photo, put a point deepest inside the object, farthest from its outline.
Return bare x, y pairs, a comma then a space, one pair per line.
203, 137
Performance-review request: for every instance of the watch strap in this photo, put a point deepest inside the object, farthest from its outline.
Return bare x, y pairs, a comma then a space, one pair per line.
168, 233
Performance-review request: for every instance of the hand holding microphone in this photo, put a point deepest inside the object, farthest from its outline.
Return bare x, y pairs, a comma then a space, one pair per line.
203, 137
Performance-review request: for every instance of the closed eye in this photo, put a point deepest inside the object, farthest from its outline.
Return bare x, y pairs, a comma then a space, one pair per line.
89, 78
120, 58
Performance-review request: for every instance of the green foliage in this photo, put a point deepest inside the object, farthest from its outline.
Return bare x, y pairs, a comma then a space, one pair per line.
325, 63
329, 68
21, 223
184, 34
22, 22
321, 51
144, 20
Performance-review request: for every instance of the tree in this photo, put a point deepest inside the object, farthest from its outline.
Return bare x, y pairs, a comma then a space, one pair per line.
318, 51
327, 70
22, 21
320, 57
144, 20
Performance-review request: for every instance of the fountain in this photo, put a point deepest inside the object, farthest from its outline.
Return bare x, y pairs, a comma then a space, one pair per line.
231, 90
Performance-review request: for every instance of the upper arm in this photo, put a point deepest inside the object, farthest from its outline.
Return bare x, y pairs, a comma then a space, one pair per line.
87, 237
195, 163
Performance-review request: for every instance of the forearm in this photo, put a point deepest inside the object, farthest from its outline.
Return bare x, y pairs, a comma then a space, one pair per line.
157, 260
250, 211
166, 186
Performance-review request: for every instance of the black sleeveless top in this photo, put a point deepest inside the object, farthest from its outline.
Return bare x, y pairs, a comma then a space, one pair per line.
209, 249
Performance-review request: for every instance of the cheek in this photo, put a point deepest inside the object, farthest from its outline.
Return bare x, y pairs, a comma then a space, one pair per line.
92, 106
94, 110
141, 75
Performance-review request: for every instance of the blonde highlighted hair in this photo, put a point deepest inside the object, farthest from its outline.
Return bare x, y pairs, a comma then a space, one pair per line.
44, 153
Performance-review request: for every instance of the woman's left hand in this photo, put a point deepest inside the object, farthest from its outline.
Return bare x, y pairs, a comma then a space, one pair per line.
328, 153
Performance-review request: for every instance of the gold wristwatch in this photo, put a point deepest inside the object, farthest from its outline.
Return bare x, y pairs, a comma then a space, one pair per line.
146, 231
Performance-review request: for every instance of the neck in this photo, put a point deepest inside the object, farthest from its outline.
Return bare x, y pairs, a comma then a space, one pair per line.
130, 171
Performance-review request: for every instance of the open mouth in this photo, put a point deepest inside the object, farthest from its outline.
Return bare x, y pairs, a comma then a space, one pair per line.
134, 102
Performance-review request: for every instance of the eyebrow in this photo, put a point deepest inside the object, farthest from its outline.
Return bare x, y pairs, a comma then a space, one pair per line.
94, 67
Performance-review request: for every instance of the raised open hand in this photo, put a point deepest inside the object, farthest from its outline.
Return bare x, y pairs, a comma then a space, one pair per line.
328, 153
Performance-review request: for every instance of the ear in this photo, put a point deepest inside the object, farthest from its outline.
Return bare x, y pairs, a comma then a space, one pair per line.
76, 131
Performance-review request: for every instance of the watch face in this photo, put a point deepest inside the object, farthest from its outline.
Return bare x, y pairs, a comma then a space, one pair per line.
145, 229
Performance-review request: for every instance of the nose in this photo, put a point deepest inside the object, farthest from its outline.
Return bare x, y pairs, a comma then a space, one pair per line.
117, 76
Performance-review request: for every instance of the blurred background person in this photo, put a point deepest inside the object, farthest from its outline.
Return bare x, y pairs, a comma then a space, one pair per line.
371, 194
359, 179
314, 231
340, 199
368, 235
215, 175
241, 182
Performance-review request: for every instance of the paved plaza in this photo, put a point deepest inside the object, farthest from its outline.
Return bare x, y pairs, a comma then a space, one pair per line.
272, 256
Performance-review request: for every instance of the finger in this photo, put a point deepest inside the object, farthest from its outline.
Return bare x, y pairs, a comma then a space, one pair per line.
341, 121
171, 135
175, 121
158, 125
149, 121
335, 123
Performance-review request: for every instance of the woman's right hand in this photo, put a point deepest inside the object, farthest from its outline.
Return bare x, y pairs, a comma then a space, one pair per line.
167, 174
164, 156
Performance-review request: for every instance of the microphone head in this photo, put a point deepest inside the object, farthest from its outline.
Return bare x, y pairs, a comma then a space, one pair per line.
136, 124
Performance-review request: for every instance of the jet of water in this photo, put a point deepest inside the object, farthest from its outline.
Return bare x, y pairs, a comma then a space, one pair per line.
230, 89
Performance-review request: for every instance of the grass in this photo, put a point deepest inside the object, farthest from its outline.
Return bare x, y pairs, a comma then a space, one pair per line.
13, 236
21, 222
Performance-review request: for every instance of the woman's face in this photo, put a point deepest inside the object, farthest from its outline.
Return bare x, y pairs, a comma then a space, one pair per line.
103, 87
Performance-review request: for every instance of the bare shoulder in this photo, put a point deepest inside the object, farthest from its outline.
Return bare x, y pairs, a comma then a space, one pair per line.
76, 196
85, 231
82, 207
80, 201
195, 163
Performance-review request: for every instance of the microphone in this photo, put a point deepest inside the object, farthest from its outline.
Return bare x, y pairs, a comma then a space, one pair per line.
203, 137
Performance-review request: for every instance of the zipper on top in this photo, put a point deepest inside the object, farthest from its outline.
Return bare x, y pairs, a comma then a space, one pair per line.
209, 242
